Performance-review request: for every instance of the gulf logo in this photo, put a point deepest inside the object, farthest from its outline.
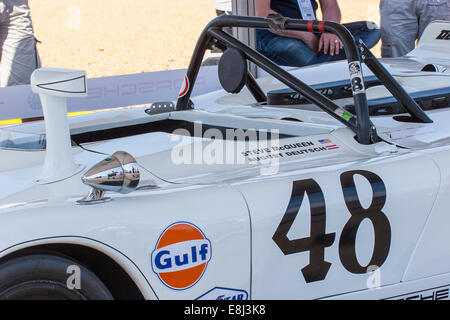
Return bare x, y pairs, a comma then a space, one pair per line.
181, 255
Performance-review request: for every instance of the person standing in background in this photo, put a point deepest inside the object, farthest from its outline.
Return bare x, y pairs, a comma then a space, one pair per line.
403, 22
223, 7
18, 54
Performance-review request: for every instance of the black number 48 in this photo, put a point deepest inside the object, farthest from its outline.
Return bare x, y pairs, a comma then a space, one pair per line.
318, 240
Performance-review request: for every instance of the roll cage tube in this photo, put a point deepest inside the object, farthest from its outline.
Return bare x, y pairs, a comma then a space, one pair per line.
360, 124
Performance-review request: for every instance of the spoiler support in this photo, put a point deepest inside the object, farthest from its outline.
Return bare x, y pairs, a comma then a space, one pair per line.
54, 86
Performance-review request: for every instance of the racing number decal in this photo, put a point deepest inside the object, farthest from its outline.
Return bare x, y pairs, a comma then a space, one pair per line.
318, 240
380, 222
317, 268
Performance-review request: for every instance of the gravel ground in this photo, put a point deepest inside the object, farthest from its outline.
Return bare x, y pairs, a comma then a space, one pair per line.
113, 37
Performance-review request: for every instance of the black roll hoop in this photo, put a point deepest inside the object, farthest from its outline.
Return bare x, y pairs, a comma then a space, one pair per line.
360, 123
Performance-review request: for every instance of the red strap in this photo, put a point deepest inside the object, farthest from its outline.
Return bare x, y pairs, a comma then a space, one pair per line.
310, 26
321, 26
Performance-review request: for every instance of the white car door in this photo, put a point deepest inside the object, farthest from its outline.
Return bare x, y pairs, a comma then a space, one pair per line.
342, 228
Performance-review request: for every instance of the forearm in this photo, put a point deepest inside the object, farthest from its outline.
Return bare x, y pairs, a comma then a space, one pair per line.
330, 10
263, 9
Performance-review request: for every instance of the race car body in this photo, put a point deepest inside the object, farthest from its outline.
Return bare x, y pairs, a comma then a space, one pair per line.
285, 189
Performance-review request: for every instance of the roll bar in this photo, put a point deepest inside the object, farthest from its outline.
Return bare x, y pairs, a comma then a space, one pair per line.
359, 123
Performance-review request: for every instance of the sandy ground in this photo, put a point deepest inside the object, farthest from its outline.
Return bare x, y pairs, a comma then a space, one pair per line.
112, 37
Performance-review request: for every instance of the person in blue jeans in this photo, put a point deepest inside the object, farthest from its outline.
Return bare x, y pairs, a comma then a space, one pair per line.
301, 48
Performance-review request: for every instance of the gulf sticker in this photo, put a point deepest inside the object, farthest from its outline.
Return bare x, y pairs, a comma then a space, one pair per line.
184, 87
181, 255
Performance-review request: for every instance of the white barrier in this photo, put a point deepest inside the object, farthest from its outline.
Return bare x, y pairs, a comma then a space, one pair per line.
19, 102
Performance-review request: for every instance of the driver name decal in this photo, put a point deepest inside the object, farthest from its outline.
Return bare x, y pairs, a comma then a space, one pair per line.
289, 150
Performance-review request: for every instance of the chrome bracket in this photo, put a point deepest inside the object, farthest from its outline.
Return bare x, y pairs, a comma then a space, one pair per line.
95, 196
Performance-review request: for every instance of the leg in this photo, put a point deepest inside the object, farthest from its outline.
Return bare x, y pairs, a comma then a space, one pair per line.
429, 11
448, 11
3, 32
284, 51
19, 56
399, 27
290, 52
367, 31
370, 37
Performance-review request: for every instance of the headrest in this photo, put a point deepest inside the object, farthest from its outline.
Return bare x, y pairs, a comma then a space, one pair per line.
233, 70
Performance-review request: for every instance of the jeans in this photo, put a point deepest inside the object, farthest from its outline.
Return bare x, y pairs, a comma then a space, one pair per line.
295, 53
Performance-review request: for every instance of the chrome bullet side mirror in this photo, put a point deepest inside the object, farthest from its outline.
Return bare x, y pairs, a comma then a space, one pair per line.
118, 173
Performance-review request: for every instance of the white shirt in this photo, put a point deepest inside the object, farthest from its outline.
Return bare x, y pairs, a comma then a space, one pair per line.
224, 5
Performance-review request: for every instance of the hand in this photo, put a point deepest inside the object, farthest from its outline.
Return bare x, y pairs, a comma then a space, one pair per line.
330, 44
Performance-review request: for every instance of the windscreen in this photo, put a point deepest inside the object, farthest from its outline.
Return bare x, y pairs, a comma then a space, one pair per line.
21, 141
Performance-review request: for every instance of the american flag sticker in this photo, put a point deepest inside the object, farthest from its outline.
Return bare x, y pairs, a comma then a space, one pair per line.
329, 144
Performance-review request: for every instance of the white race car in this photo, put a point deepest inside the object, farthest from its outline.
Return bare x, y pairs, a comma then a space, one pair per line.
304, 185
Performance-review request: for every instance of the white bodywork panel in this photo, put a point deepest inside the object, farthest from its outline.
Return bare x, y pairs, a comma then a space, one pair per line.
130, 235
406, 208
